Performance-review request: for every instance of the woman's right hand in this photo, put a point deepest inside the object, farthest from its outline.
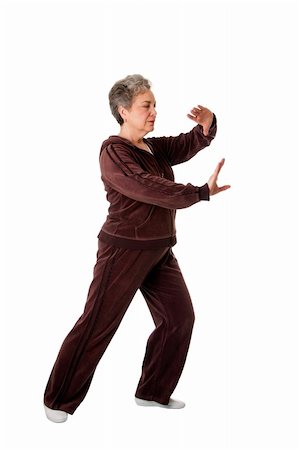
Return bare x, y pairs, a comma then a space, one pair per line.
212, 183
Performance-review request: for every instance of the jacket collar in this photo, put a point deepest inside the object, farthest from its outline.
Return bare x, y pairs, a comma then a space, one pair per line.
115, 139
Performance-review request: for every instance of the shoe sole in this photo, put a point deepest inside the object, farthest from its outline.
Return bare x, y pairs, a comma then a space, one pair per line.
141, 402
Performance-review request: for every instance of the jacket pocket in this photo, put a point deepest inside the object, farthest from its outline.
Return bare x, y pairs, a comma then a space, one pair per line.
157, 225
146, 219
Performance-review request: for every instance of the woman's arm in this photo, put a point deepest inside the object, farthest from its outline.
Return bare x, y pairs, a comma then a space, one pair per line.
183, 147
121, 172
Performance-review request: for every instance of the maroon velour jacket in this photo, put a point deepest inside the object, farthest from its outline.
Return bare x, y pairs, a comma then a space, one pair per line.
141, 190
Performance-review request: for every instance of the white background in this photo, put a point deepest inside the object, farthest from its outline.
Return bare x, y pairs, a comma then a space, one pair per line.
238, 252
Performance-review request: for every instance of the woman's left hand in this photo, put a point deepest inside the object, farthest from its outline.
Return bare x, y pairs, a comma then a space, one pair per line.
203, 116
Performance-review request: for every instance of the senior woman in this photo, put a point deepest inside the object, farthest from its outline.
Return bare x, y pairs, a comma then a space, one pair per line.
135, 252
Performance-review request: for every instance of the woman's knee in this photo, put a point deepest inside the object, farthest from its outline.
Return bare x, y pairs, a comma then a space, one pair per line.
184, 321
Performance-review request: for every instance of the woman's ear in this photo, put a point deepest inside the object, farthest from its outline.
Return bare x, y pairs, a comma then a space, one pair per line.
122, 113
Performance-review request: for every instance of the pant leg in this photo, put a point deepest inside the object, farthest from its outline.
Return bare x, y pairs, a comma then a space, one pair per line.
168, 299
117, 275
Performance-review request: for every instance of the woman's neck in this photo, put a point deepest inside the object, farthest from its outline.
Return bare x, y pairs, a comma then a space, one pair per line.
135, 137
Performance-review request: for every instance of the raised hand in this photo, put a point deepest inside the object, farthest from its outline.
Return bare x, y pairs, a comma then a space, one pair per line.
214, 189
203, 116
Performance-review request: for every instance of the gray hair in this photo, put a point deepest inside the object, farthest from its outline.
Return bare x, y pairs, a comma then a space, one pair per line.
123, 92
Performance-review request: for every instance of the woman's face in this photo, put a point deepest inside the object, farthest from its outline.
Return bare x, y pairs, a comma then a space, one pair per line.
142, 114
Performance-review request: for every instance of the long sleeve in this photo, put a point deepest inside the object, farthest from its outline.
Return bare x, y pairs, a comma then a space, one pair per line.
183, 147
121, 172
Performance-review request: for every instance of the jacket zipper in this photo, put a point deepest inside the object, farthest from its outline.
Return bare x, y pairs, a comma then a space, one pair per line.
162, 175
157, 165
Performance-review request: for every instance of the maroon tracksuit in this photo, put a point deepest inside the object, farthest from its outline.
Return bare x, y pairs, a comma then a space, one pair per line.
135, 252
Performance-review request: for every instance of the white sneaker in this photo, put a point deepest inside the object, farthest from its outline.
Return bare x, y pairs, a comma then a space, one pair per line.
55, 415
172, 404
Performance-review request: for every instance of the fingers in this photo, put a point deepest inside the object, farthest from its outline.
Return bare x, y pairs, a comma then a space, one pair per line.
218, 167
199, 108
223, 188
196, 110
195, 114
212, 182
191, 117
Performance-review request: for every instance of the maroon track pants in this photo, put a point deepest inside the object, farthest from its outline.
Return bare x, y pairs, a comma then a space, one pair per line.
118, 274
